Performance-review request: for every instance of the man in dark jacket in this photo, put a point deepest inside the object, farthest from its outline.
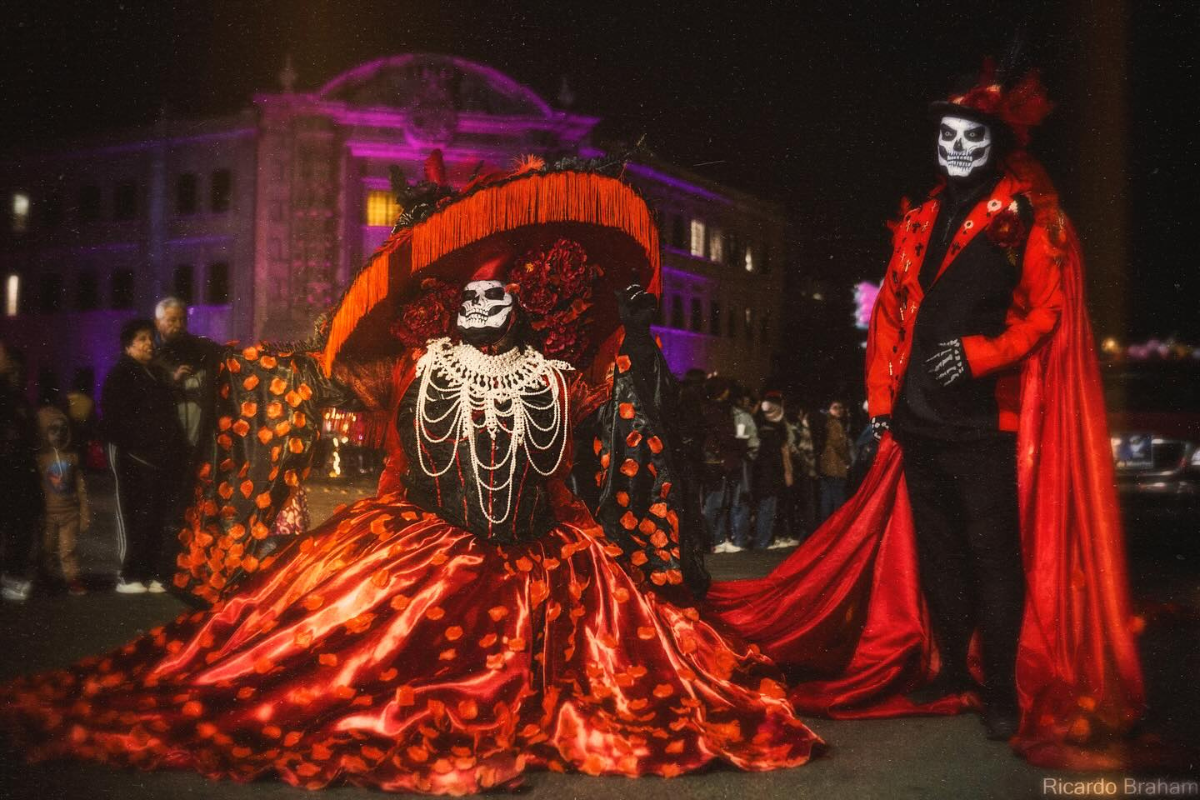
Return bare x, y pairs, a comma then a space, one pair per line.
20, 488
145, 449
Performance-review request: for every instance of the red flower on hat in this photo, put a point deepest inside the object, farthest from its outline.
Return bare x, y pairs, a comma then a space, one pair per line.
429, 316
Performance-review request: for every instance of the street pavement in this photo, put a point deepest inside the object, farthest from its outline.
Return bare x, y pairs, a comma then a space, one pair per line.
888, 759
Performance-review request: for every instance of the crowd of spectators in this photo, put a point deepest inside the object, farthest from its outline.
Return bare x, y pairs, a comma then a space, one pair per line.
769, 471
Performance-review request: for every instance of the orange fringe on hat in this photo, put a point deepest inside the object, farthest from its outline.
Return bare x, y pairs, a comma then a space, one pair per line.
534, 200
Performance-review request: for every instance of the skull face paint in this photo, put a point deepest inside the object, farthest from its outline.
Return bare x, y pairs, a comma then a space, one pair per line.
964, 146
485, 312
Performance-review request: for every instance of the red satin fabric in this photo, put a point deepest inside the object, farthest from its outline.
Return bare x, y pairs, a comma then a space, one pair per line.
844, 617
390, 649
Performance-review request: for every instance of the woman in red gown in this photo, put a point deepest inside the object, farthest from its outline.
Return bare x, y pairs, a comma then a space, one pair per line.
477, 618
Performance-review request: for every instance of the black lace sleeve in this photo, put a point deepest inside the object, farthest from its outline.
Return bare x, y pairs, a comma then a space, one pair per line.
268, 412
630, 470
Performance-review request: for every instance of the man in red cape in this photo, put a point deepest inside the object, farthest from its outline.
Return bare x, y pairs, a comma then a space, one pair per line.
846, 614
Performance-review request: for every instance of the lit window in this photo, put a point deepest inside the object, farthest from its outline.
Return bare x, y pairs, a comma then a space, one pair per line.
12, 294
716, 246
20, 212
749, 260
382, 208
698, 238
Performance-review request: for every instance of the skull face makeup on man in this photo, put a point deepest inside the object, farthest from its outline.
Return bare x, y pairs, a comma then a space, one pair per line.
964, 146
485, 314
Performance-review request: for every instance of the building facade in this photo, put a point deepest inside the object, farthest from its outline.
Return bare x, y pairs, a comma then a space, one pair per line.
259, 219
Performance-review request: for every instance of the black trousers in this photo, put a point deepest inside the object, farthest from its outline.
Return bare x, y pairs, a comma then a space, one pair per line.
145, 502
964, 504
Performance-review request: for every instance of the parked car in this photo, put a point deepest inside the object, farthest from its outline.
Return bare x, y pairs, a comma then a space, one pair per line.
1154, 422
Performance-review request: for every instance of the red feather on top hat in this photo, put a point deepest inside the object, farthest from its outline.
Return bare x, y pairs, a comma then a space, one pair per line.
1020, 108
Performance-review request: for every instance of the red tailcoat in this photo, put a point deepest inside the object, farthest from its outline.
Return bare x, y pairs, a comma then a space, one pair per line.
844, 614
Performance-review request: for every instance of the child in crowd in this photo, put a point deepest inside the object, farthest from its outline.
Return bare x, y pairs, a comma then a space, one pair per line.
65, 498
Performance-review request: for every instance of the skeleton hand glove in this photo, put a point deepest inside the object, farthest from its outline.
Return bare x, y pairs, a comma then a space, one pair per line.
881, 425
948, 365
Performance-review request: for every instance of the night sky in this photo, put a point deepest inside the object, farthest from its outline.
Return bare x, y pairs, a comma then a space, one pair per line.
819, 107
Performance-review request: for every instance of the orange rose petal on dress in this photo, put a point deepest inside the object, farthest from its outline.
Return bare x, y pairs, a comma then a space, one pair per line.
192, 708
468, 709
250, 353
305, 392
249, 408
399, 602
625, 411
647, 526
313, 601
435, 612
247, 489
656, 445
639, 557
295, 445
293, 399
623, 363
300, 419
497, 613
538, 591
645, 632
453, 633
634, 438
265, 435
267, 362
597, 445
659, 539
328, 659
629, 521
665, 490
623, 498
629, 468
278, 386
250, 383
659, 510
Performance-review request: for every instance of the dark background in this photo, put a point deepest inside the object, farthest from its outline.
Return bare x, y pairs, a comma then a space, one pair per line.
817, 106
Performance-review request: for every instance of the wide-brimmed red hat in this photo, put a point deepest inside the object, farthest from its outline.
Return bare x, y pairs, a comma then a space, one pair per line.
1019, 107
449, 235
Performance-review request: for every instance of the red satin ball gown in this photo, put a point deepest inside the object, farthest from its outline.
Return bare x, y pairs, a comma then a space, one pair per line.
394, 648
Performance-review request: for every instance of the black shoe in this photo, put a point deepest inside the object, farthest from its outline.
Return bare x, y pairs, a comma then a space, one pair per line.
1001, 723
942, 686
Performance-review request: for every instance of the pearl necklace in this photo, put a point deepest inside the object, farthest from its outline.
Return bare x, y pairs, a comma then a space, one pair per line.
492, 393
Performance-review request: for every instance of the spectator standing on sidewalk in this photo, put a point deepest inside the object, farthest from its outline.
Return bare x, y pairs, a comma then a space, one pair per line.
724, 475
146, 448
65, 511
20, 489
834, 462
804, 474
772, 472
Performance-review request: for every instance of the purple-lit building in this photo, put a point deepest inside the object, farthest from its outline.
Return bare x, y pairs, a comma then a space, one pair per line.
259, 219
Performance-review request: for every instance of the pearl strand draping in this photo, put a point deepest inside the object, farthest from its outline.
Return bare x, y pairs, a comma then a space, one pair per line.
493, 393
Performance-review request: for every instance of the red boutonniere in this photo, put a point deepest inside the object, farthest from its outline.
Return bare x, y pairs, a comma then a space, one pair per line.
1007, 230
